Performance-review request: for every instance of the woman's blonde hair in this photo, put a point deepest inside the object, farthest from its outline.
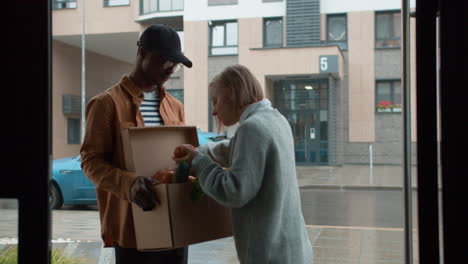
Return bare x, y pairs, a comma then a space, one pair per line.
238, 86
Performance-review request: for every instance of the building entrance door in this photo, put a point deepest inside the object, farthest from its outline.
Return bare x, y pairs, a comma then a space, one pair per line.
307, 134
305, 104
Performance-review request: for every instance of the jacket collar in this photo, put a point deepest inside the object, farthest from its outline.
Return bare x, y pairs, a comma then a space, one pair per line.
264, 104
136, 91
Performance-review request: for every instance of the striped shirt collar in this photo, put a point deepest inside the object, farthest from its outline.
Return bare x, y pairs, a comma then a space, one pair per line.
136, 91
151, 95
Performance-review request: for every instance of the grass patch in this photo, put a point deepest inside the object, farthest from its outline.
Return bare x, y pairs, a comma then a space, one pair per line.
9, 255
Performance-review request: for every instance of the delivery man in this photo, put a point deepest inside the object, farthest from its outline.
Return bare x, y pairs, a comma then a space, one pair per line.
137, 100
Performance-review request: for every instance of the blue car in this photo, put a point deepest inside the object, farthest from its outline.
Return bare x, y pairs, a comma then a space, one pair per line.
69, 185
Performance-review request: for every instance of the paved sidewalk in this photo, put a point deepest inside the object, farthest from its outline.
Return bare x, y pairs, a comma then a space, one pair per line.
332, 244
354, 177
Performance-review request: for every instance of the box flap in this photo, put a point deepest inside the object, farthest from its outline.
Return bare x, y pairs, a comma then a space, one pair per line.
154, 223
178, 221
196, 221
149, 149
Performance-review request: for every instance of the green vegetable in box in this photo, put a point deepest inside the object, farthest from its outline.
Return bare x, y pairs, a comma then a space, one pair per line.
182, 172
197, 192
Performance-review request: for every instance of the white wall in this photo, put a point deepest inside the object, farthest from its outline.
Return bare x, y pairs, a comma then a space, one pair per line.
160, 15
196, 10
181, 36
344, 6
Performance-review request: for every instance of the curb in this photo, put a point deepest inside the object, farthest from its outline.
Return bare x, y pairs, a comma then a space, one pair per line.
352, 187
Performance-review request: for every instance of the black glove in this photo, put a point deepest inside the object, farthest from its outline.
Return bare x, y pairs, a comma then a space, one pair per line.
142, 194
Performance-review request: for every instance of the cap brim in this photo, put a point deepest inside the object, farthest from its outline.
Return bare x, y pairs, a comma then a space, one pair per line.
180, 58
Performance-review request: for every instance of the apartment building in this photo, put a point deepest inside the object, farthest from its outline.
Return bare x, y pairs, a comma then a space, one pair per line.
331, 67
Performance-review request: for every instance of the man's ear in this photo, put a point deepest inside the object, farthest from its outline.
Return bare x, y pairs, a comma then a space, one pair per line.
142, 53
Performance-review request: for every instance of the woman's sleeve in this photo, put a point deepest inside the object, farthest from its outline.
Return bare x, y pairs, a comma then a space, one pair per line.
240, 183
220, 152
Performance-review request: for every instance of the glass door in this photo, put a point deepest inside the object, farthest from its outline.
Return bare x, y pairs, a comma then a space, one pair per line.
306, 131
304, 104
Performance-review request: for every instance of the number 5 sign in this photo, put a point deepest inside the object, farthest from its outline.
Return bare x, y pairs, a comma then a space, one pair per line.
328, 63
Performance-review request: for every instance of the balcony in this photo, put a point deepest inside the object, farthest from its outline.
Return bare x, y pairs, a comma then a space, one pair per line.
157, 6
162, 11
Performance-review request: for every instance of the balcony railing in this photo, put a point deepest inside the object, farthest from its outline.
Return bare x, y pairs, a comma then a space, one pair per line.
63, 4
111, 3
154, 6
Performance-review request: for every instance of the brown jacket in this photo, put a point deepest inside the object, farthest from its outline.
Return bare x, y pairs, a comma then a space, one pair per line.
102, 157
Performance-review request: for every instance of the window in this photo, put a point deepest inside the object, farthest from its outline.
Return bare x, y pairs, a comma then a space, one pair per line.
109, 3
152, 6
73, 130
388, 96
337, 30
387, 29
273, 32
177, 93
63, 4
223, 38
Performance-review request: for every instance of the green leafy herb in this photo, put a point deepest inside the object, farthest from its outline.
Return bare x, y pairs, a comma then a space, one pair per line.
197, 192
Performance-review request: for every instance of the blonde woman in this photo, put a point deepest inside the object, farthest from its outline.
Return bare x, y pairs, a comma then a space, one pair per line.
259, 183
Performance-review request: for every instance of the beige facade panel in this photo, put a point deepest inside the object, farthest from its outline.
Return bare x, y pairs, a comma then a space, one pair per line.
98, 19
323, 27
101, 73
269, 92
196, 78
361, 75
250, 34
66, 79
285, 61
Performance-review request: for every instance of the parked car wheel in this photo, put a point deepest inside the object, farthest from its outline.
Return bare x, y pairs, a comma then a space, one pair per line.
55, 197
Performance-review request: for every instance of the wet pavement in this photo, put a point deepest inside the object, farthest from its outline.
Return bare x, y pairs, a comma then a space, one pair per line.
330, 244
350, 219
353, 176
343, 226
368, 208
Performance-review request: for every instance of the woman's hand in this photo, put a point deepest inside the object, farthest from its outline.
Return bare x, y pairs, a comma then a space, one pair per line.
184, 152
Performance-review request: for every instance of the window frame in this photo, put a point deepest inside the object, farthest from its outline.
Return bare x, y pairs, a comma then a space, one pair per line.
211, 25
327, 26
69, 122
178, 90
392, 12
105, 3
55, 2
265, 20
393, 109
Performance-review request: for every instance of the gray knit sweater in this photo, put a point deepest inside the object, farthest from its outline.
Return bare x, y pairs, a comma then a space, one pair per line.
260, 186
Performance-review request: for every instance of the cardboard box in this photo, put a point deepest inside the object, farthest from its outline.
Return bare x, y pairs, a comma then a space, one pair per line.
178, 221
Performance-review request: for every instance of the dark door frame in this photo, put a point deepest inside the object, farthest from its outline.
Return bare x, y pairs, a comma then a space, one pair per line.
27, 138
445, 157
453, 70
27, 98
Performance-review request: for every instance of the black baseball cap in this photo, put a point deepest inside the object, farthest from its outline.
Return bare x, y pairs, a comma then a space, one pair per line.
166, 41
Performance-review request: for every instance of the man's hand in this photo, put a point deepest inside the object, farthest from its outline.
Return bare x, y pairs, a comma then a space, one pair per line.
142, 194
